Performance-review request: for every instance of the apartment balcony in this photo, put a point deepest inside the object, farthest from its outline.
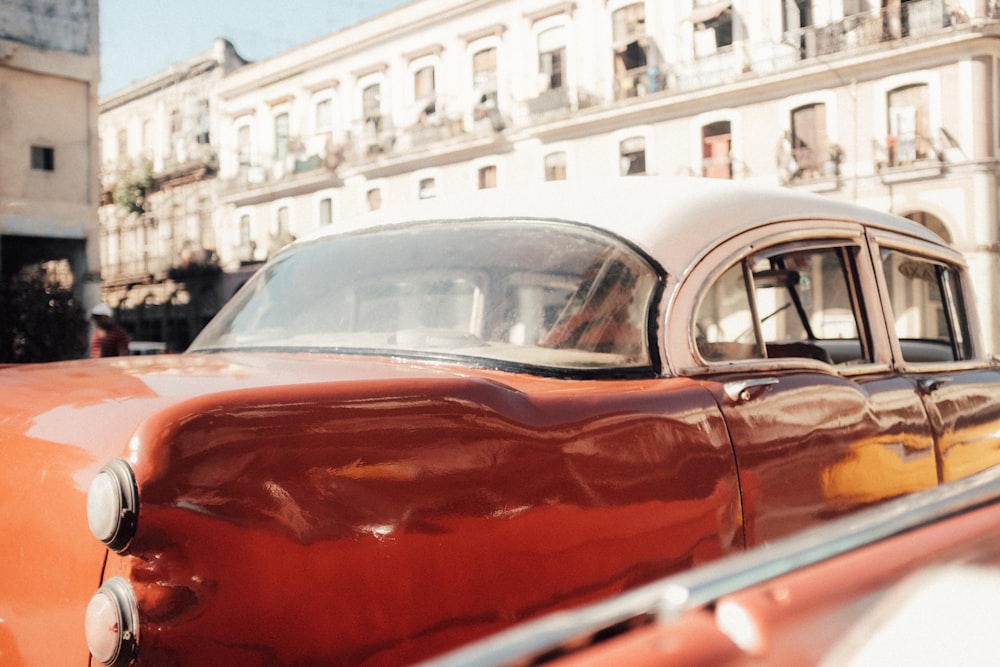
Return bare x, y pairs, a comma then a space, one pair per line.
911, 20
877, 26
295, 172
428, 132
717, 69
135, 268
554, 100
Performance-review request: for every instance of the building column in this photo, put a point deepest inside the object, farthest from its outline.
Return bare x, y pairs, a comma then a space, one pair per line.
982, 251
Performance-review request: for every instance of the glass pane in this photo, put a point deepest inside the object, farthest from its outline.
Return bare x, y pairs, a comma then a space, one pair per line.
817, 281
802, 303
909, 124
809, 144
724, 326
551, 295
921, 293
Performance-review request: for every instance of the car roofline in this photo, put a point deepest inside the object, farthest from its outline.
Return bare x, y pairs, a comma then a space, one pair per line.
672, 234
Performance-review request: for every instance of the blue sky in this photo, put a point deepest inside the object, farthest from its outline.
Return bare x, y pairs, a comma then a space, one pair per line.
142, 38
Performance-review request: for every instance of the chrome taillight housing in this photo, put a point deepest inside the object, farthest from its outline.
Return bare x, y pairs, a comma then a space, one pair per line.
113, 505
112, 624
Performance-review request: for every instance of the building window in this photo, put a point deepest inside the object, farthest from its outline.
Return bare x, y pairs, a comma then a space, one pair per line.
371, 102
798, 14
632, 152
202, 121
810, 148
487, 177
122, 145
323, 115
176, 127
484, 82
628, 26
43, 158
245, 245
555, 166
374, 199
243, 240
713, 23
325, 212
148, 142
909, 125
371, 114
282, 220
243, 145
282, 136
426, 188
716, 146
797, 22
281, 228
552, 58
424, 91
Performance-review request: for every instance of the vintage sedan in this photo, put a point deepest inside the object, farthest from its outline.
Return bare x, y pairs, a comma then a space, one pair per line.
440, 421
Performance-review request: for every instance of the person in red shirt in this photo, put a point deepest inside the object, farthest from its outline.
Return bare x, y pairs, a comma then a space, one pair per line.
109, 339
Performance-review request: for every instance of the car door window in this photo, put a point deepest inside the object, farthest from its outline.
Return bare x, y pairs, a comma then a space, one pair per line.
786, 301
726, 323
814, 435
927, 308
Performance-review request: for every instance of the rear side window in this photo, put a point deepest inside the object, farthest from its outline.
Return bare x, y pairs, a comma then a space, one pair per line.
928, 313
786, 301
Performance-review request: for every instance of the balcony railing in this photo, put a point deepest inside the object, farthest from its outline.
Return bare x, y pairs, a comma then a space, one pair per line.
639, 81
876, 26
553, 100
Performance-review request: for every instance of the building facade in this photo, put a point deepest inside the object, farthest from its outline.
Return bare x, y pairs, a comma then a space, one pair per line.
158, 198
888, 103
49, 75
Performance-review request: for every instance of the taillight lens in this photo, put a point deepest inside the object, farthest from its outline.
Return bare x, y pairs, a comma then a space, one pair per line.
113, 505
112, 624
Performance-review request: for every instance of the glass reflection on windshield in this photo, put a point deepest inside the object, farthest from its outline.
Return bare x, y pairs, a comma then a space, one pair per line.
523, 292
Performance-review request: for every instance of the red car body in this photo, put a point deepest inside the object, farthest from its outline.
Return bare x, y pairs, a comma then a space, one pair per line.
366, 460
912, 582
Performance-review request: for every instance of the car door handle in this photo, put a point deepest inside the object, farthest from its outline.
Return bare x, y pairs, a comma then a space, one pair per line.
930, 385
744, 390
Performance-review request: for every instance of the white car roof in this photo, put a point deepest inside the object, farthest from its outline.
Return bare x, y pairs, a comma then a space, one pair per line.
673, 219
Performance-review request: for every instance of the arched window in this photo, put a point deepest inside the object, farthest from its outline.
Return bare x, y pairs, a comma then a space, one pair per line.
555, 166
632, 153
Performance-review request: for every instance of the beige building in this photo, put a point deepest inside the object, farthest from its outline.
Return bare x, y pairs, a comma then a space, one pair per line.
158, 198
49, 74
889, 103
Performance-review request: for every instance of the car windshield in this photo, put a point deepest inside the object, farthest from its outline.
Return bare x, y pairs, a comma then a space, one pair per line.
539, 294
